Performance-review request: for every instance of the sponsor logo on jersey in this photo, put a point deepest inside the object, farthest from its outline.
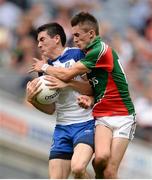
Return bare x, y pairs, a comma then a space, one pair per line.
123, 133
94, 81
87, 131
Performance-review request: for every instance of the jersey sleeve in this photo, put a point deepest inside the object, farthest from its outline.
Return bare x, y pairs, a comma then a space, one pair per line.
100, 58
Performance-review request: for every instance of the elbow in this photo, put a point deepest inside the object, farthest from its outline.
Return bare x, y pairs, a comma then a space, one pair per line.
48, 112
88, 93
51, 112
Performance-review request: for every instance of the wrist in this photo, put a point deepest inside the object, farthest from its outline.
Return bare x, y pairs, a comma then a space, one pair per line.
92, 100
29, 100
70, 84
44, 67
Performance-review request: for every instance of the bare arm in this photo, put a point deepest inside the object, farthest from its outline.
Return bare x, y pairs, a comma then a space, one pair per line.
31, 91
48, 109
83, 87
64, 74
67, 74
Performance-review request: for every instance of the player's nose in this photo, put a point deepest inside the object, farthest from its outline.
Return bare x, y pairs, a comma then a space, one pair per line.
75, 39
39, 45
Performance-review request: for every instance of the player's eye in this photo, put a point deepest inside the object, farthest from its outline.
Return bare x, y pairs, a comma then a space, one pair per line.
76, 34
42, 39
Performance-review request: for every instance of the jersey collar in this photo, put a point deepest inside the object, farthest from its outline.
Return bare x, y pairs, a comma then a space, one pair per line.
94, 42
50, 61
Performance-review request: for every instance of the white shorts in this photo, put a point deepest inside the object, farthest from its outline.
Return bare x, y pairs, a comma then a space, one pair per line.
121, 126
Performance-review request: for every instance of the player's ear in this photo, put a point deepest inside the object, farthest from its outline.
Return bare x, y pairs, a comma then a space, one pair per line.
58, 39
92, 33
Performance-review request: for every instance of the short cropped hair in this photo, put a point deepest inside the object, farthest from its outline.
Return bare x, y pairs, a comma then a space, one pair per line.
84, 18
53, 29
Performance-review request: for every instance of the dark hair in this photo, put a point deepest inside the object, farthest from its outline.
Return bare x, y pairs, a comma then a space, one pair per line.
52, 30
84, 18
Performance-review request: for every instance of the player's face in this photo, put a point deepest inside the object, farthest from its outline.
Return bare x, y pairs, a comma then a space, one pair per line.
46, 44
81, 38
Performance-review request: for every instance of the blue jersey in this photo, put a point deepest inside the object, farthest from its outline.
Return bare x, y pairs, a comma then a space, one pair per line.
67, 108
67, 58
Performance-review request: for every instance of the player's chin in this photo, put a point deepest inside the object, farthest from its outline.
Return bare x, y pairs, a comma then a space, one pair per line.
80, 46
44, 53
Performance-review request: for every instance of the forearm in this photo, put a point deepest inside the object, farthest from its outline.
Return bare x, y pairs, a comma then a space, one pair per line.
48, 109
60, 73
83, 87
65, 74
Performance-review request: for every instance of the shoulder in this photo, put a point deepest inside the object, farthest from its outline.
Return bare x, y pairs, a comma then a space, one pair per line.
75, 53
97, 50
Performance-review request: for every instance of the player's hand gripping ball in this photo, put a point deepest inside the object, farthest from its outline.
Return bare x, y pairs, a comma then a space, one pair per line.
47, 96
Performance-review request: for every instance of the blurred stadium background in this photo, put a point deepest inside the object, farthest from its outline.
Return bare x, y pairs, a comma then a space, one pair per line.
25, 134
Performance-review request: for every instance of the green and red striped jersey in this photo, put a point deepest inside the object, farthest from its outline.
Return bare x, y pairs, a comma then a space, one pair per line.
108, 80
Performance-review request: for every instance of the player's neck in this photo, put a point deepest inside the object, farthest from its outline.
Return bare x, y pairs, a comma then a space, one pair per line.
57, 52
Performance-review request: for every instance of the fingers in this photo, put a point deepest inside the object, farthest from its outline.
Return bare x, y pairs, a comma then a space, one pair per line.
31, 70
52, 85
33, 87
83, 101
50, 78
51, 81
36, 60
34, 65
28, 83
82, 98
37, 88
55, 83
83, 105
44, 58
36, 83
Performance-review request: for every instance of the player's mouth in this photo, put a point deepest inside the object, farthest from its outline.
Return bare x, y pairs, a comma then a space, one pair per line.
78, 45
42, 51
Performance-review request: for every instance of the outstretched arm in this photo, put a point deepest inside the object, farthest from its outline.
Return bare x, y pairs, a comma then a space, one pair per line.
64, 74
